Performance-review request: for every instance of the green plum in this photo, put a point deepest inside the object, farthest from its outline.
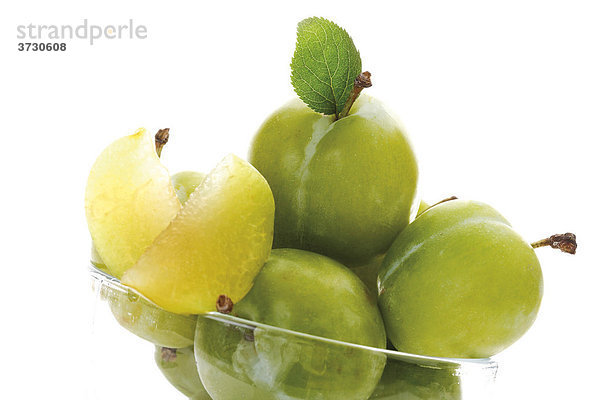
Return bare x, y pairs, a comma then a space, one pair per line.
303, 292
179, 367
310, 293
185, 183
237, 360
408, 380
459, 282
343, 188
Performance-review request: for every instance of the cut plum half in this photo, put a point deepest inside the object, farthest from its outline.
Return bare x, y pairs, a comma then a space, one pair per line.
216, 245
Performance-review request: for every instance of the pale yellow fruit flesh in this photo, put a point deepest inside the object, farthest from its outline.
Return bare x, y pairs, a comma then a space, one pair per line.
129, 200
216, 245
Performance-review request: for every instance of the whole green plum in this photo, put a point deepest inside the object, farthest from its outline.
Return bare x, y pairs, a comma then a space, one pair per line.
179, 367
343, 188
307, 292
303, 292
459, 282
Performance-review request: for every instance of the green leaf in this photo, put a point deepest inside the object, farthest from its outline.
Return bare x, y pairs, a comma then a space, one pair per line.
324, 65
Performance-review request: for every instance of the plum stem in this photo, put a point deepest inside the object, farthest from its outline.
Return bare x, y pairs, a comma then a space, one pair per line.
363, 80
224, 304
438, 203
565, 242
168, 354
160, 139
443, 201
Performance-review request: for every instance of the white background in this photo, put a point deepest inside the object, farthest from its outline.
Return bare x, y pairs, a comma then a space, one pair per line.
501, 101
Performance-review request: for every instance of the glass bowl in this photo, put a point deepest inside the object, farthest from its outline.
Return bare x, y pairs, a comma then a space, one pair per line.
223, 357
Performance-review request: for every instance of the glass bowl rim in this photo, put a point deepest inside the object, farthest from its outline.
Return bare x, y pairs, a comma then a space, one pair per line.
104, 278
